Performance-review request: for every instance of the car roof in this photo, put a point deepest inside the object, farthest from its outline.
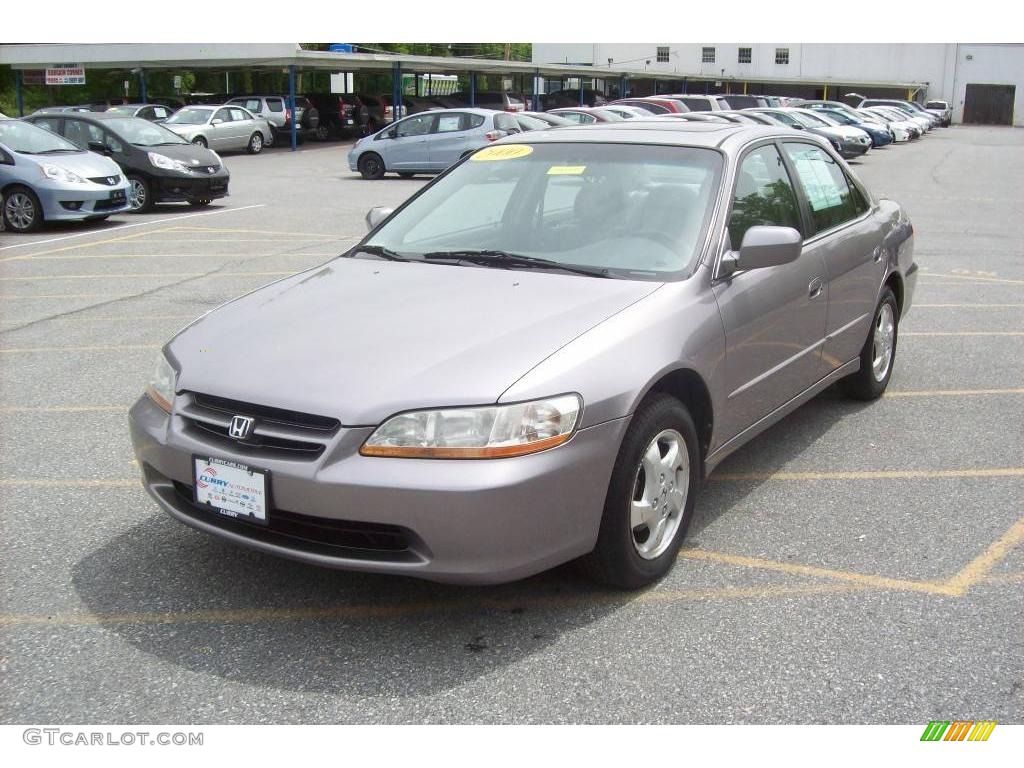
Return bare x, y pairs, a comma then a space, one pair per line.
661, 132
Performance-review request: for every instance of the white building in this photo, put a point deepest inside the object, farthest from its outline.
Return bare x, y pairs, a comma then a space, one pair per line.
947, 71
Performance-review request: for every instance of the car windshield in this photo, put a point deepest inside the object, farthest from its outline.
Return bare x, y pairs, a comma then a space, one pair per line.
838, 118
143, 133
189, 116
632, 211
28, 139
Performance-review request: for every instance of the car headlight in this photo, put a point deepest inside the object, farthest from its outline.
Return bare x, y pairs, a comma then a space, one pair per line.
59, 173
486, 432
163, 383
167, 164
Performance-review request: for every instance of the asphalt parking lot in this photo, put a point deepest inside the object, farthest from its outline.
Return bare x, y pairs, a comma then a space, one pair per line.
855, 564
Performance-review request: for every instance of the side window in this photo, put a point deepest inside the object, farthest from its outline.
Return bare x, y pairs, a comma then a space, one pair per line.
475, 121
274, 105
161, 112
574, 117
113, 143
223, 114
415, 126
860, 202
824, 185
237, 114
764, 195
146, 113
81, 133
449, 123
51, 124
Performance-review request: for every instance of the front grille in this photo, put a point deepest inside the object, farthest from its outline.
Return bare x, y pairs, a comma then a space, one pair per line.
107, 181
319, 535
276, 433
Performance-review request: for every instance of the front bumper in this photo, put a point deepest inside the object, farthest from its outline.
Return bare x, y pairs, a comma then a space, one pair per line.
470, 522
849, 149
178, 188
74, 202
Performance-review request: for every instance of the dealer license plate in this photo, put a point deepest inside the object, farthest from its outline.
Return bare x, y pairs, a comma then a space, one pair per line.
231, 489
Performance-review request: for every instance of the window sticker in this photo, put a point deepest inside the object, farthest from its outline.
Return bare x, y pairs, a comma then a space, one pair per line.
566, 170
821, 188
506, 152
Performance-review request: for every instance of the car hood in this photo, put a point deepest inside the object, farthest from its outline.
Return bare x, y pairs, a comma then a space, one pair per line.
189, 154
183, 129
360, 339
85, 164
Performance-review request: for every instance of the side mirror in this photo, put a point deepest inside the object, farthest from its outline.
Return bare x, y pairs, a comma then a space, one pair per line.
216, 121
764, 247
99, 146
376, 215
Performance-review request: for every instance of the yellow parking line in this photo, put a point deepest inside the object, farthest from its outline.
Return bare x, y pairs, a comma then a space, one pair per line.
97, 348
885, 474
298, 235
980, 566
795, 569
962, 333
63, 249
973, 278
952, 392
1004, 578
379, 611
137, 275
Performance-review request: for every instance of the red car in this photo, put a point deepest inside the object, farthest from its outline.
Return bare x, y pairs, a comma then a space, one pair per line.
656, 104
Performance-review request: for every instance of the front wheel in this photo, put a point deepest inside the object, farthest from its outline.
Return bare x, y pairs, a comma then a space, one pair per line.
650, 497
255, 145
371, 166
199, 141
140, 199
21, 210
877, 354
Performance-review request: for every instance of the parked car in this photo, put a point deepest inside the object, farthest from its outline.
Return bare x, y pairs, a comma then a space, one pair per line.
527, 122
741, 117
48, 110
880, 134
695, 117
570, 97
156, 113
546, 350
941, 110
275, 110
553, 121
902, 128
161, 167
912, 108
628, 112
504, 102
922, 125
699, 103
656, 104
223, 128
588, 115
336, 112
44, 177
742, 100
849, 142
429, 142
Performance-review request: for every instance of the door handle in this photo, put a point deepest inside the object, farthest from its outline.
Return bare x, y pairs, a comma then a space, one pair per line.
814, 288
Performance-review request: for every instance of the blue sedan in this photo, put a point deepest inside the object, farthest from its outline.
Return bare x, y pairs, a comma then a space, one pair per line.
44, 177
429, 142
880, 135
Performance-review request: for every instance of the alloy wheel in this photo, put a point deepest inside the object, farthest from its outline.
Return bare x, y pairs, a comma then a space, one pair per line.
136, 194
20, 211
659, 494
883, 342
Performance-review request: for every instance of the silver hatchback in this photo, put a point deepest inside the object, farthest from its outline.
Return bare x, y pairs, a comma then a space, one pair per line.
429, 142
537, 358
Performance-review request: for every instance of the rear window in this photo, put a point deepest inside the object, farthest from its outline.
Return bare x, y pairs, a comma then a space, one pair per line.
475, 121
275, 105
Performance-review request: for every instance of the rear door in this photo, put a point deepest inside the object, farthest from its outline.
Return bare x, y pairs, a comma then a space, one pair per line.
844, 234
448, 139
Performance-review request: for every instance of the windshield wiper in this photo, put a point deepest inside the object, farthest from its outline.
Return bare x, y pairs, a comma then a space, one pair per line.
379, 250
508, 260
53, 151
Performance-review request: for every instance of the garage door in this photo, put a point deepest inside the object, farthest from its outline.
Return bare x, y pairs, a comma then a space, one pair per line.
989, 104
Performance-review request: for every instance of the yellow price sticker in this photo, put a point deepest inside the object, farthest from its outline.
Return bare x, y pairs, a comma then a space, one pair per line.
566, 170
502, 152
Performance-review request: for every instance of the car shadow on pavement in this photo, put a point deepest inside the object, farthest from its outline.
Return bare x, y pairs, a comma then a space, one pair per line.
221, 610
770, 452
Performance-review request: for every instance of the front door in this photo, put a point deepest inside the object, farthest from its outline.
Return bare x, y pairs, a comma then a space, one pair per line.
408, 149
774, 317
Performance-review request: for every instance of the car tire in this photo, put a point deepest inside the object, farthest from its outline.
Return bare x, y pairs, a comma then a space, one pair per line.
625, 555
22, 211
199, 141
406, 174
255, 145
878, 353
140, 194
371, 166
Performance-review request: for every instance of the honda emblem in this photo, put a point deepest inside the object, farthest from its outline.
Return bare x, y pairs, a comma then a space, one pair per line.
241, 427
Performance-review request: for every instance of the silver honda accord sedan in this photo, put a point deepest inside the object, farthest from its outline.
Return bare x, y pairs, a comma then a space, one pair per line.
537, 358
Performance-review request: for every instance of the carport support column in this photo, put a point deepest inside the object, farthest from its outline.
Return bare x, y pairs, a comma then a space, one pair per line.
291, 106
396, 91
472, 89
536, 90
19, 99
581, 92
622, 86
142, 85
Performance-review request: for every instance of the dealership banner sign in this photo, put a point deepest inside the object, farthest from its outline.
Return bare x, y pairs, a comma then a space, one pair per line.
65, 74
